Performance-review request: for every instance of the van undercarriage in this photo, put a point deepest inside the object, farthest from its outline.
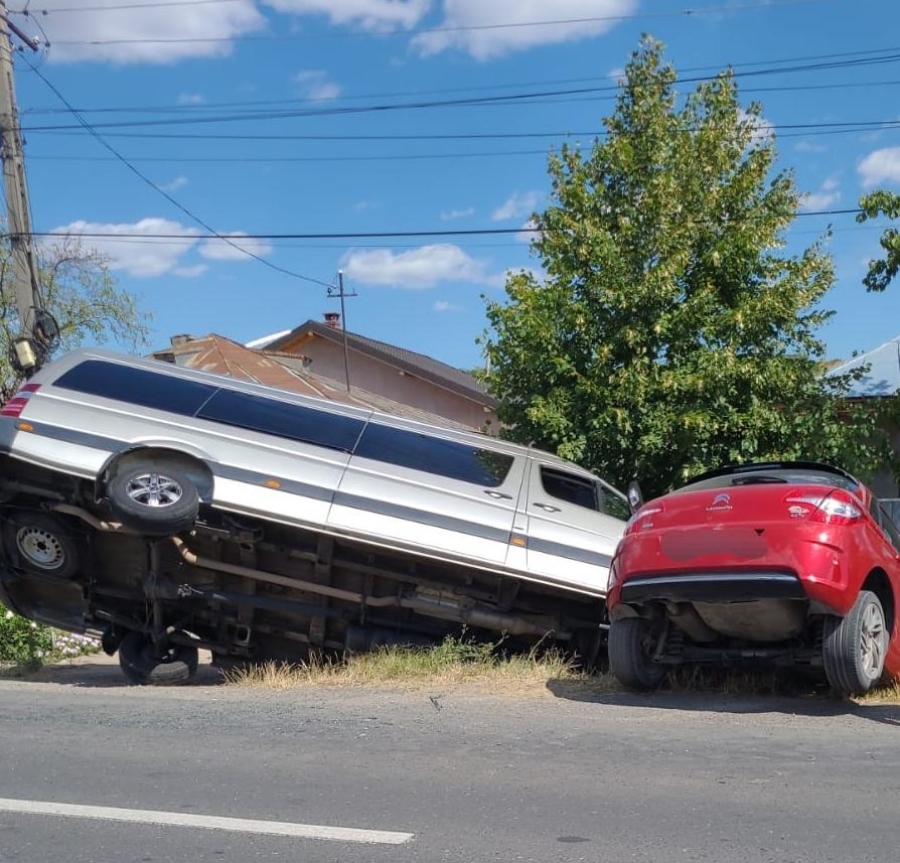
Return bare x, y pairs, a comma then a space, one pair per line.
250, 589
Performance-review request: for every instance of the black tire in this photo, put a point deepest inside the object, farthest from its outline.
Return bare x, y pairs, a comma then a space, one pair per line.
854, 647
41, 544
142, 667
155, 499
630, 643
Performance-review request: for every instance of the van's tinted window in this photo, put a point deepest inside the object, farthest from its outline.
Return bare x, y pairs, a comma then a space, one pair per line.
434, 455
282, 419
570, 488
136, 386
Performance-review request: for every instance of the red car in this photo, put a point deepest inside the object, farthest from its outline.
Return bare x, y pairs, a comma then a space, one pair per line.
788, 563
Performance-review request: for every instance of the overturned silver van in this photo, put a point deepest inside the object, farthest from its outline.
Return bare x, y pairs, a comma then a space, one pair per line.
171, 510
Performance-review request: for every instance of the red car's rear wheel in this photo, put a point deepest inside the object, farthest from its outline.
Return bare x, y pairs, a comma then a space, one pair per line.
855, 646
631, 647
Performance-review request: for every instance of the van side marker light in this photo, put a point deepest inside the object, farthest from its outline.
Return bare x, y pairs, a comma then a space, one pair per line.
272, 483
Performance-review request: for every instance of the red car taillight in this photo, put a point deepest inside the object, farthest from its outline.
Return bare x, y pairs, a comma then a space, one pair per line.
16, 404
640, 517
838, 507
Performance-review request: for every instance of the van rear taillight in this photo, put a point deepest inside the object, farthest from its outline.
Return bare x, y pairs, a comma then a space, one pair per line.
16, 404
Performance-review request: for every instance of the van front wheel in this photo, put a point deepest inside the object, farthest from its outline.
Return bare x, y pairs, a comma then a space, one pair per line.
143, 667
153, 499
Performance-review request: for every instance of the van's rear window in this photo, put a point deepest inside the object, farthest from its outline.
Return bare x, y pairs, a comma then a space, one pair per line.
136, 386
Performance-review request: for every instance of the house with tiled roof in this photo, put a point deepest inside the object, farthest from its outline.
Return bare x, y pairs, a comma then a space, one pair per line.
310, 360
404, 376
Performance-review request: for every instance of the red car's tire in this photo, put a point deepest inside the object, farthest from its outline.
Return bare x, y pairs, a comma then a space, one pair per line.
854, 647
630, 643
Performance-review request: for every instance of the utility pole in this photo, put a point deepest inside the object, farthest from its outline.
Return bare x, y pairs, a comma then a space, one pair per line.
339, 292
39, 333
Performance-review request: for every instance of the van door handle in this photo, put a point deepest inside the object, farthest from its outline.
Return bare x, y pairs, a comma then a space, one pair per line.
497, 495
547, 507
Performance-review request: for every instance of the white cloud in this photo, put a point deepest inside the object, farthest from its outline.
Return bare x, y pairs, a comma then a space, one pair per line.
424, 267
809, 147
174, 185
880, 166
453, 215
483, 44
214, 249
141, 258
314, 84
117, 30
516, 206
617, 74
362, 206
444, 306
762, 130
827, 195
528, 232
377, 15
191, 99
190, 272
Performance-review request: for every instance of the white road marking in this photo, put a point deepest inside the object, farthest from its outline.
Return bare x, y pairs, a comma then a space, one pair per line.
206, 822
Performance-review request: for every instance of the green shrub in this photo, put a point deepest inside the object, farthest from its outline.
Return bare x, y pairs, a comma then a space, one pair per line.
23, 642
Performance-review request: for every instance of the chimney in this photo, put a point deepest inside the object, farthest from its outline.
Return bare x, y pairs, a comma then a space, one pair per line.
333, 320
180, 340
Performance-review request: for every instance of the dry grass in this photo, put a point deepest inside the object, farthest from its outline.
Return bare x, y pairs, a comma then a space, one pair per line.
887, 694
452, 663
459, 662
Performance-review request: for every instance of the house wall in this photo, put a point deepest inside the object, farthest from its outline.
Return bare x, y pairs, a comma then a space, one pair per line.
386, 380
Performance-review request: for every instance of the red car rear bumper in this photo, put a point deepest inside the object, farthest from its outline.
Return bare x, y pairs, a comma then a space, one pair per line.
812, 566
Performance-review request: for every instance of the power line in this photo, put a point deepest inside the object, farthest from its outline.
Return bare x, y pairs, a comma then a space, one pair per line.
401, 33
861, 55
793, 130
182, 109
29, 12
520, 98
365, 235
212, 232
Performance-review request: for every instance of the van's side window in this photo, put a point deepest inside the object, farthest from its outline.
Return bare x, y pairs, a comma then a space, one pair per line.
294, 422
136, 386
436, 455
570, 488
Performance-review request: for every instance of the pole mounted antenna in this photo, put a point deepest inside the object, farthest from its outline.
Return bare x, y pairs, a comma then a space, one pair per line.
340, 292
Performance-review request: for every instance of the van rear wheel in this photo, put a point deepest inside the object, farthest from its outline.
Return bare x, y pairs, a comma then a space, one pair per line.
153, 499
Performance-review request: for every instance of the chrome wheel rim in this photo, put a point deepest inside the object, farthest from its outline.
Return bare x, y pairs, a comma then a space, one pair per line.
155, 490
41, 547
873, 639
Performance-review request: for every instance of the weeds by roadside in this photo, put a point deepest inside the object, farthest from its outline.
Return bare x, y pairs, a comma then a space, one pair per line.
454, 661
487, 666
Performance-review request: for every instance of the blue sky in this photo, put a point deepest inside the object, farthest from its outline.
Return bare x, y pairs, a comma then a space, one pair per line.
200, 92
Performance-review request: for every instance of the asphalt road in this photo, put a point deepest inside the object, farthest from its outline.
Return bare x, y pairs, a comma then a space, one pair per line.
471, 776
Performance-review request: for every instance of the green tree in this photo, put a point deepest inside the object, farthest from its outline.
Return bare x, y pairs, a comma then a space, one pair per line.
882, 271
671, 332
79, 290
